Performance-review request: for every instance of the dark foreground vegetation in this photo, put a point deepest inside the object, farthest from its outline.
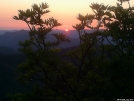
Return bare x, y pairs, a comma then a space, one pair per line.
8, 75
92, 71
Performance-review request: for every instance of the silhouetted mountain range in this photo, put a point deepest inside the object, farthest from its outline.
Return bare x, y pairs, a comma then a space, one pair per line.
7, 50
4, 31
9, 41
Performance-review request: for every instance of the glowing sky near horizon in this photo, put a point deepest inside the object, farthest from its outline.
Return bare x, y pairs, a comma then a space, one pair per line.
66, 11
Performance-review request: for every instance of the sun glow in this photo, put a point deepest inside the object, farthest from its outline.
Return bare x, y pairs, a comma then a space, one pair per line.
66, 30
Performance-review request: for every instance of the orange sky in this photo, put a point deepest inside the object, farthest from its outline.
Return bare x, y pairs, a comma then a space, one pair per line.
65, 11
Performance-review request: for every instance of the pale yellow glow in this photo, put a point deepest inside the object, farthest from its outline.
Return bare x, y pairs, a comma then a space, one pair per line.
66, 11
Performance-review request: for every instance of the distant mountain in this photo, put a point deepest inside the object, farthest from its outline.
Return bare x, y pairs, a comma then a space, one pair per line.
11, 39
7, 50
4, 31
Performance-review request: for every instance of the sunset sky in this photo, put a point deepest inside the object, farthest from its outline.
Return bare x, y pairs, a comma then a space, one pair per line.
65, 11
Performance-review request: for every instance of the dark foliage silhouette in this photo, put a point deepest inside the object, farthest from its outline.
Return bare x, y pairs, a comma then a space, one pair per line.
92, 71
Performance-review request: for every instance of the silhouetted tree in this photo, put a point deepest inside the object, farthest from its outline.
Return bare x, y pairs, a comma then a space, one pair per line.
92, 71
114, 60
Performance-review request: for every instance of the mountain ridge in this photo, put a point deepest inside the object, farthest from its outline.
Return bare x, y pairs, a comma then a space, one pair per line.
12, 39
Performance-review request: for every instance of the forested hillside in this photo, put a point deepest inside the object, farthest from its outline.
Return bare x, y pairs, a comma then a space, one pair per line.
8, 75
